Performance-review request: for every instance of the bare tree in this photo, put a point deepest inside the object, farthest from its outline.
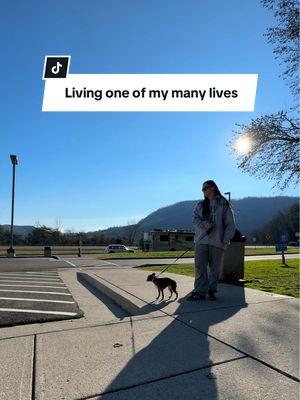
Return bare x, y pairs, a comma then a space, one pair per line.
58, 224
273, 151
274, 148
285, 38
129, 232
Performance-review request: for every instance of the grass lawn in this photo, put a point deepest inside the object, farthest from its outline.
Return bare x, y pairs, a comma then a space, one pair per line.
190, 254
266, 275
56, 250
98, 252
268, 250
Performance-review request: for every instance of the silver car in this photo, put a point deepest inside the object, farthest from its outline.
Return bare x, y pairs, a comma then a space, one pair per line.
118, 248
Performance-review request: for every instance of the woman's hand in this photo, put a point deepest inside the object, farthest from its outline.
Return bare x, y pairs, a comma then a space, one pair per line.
208, 225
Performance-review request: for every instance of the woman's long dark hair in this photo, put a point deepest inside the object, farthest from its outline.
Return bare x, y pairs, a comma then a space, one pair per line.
206, 209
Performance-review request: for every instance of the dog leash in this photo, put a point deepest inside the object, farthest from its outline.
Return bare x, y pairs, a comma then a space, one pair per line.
203, 236
169, 265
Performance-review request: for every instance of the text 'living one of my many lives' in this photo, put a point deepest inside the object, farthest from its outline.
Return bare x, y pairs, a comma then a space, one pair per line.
99, 94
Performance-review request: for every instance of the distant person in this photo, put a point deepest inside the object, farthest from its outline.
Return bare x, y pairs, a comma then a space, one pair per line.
214, 227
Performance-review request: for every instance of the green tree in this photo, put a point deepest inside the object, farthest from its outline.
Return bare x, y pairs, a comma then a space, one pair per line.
5, 238
284, 222
43, 235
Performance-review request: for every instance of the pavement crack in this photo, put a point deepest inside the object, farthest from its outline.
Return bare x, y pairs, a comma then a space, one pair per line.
163, 378
241, 305
83, 327
33, 374
294, 378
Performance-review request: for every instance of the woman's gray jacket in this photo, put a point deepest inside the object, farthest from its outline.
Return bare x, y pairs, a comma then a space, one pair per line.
221, 216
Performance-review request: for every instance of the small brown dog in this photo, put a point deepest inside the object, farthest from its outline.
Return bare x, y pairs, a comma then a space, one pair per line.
161, 284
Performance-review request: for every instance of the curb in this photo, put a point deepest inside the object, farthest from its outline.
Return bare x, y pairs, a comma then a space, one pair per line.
123, 299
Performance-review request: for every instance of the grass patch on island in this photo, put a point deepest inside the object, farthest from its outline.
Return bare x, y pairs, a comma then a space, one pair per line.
265, 275
148, 254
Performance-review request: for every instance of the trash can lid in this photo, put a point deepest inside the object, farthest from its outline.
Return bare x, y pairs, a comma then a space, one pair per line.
47, 247
238, 237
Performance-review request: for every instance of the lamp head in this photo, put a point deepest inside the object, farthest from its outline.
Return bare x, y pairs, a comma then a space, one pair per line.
14, 159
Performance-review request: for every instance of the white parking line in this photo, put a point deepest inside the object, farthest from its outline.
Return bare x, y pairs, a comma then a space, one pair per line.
34, 291
36, 311
50, 287
30, 273
103, 262
41, 273
31, 281
39, 300
27, 278
70, 263
52, 271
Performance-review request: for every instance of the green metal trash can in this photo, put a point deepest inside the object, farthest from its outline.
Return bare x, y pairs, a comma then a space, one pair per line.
47, 251
233, 265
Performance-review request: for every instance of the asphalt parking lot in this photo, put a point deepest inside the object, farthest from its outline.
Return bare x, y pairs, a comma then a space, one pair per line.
30, 264
35, 296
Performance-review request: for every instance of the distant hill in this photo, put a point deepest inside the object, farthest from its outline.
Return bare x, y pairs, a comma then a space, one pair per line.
21, 230
251, 213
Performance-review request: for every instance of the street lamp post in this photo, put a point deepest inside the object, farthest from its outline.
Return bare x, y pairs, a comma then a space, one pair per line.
79, 245
11, 250
229, 195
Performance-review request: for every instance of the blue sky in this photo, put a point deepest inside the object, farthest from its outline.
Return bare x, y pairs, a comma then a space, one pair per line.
93, 170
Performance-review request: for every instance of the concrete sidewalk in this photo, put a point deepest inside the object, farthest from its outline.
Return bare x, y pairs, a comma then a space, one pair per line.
244, 345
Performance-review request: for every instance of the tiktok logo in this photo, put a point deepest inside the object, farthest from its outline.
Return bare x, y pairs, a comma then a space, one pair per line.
55, 69
56, 66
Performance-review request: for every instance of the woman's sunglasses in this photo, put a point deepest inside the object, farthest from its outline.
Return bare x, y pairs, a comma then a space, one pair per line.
205, 188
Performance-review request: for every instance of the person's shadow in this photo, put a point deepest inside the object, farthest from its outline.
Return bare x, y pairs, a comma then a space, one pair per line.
177, 362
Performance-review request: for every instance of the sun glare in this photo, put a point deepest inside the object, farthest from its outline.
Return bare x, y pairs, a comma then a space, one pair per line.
243, 145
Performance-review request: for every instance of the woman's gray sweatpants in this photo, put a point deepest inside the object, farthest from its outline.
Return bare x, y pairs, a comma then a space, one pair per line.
208, 261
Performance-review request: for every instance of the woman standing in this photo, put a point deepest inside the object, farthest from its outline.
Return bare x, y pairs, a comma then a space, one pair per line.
214, 227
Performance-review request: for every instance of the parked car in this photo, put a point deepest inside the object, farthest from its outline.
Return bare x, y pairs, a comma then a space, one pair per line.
293, 243
118, 248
